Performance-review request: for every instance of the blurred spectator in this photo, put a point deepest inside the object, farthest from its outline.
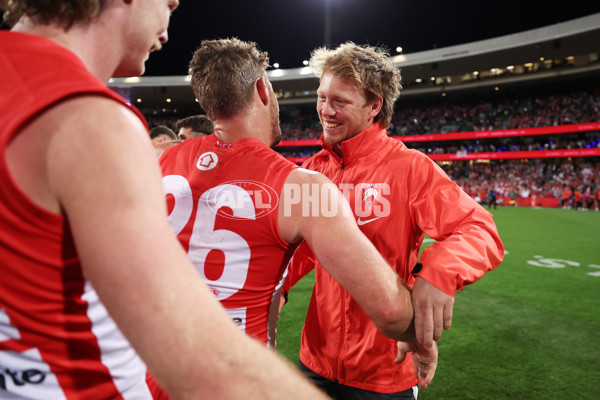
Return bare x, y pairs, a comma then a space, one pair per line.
534, 177
193, 126
162, 133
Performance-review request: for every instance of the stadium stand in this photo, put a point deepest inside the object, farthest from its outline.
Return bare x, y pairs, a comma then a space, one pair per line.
527, 130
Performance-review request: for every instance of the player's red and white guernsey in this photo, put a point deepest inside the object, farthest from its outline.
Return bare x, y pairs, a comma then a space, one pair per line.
57, 340
223, 200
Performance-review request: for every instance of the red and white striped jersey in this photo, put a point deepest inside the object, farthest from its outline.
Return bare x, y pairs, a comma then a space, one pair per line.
57, 340
223, 200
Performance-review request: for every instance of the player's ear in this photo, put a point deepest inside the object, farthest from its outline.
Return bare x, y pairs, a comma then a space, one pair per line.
263, 87
375, 106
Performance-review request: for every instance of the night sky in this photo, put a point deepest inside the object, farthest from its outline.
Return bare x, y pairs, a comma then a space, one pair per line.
290, 29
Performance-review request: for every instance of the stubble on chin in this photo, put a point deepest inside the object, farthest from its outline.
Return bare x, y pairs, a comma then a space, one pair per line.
275, 123
276, 134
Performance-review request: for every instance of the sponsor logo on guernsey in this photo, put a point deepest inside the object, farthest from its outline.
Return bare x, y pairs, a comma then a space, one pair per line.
238, 316
236, 199
23, 372
207, 161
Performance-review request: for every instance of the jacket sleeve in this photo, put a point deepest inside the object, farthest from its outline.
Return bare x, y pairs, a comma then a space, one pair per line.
467, 241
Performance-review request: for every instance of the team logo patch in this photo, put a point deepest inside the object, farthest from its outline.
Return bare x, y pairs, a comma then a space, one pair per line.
372, 204
207, 161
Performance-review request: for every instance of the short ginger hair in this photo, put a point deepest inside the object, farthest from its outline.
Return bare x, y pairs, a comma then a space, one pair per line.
370, 68
223, 73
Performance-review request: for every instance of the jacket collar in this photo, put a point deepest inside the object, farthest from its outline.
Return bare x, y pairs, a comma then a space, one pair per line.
367, 142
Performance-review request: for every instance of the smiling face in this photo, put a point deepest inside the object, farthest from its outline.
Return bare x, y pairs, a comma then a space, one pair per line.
343, 109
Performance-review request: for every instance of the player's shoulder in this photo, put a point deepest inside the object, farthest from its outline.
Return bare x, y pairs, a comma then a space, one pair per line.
192, 145
257, 155
304, 176
72, 120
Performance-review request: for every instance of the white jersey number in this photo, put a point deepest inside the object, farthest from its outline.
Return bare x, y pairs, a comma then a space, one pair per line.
205, 238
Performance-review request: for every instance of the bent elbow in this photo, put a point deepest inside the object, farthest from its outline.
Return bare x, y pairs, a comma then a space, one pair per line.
396, 322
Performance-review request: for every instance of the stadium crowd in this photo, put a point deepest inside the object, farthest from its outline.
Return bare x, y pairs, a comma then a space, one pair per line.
504, 112
425, 116
552, 142
516, 111
578, 180
509, 179
584, 140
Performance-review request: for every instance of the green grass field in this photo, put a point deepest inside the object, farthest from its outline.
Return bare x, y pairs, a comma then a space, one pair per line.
529, 329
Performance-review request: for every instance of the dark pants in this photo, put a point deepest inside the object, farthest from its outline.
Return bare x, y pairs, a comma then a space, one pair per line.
342, 392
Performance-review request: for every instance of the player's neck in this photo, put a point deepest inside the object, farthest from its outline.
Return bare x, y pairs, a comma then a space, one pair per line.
233, 129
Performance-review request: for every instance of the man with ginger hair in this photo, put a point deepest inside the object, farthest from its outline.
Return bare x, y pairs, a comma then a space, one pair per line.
398, 195
88, 263
257, 203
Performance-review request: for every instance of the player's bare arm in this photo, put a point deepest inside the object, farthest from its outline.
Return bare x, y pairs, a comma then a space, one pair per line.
331, 232
140, 271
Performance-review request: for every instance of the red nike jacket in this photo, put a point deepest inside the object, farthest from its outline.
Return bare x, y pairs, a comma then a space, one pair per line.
397, 195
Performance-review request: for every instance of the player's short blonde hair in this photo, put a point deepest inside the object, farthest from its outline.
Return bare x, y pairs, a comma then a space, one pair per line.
369, 67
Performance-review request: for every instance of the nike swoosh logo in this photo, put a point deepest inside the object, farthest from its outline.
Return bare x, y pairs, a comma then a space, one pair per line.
361, 222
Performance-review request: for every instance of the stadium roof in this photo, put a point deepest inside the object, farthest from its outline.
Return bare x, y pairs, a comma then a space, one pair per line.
528, 55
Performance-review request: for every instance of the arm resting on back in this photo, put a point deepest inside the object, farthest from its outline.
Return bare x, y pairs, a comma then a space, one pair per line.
300, 265
322, 217
104, 174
